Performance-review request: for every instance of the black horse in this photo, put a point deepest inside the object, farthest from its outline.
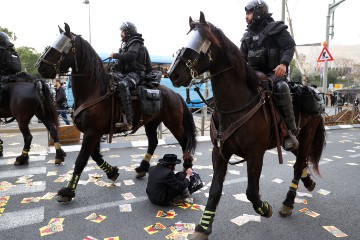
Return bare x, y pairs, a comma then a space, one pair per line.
243, 122
97, 109
22, 97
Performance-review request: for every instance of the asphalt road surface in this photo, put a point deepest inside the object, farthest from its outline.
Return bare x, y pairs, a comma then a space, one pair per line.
339, 208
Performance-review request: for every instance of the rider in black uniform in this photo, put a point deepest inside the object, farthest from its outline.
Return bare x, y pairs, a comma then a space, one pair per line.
268, 47
133, 65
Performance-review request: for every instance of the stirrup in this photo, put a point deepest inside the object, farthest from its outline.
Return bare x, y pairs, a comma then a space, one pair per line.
290, 143
124, 126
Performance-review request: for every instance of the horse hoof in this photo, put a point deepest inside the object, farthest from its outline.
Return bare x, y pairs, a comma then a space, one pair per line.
285, 211
22, 160
114, 174
58, 161
62, 199
269, 214
199, 236
65, 195
140, 175
312, 186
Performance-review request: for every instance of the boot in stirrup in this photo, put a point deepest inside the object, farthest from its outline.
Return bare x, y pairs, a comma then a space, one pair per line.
125, 125
290, 142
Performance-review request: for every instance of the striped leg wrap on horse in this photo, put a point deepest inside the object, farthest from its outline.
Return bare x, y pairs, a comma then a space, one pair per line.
57, 145
306, 179
107, 168
293, 185
25, 152
206, 219
147, 157
73, 182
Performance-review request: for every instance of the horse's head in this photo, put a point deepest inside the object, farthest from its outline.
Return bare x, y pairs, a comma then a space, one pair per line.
60, 56
197, 55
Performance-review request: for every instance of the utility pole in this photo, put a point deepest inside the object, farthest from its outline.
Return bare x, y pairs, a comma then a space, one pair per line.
283, 10
297, 59
331, 10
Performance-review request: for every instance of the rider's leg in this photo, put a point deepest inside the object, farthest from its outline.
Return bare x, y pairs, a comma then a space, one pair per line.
125, 100
283, 101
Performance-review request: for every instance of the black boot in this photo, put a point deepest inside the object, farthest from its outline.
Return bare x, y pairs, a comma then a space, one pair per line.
125, 100
283, 101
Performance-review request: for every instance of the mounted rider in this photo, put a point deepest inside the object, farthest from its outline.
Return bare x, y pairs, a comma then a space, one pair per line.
9, 58
268, 47
133, 64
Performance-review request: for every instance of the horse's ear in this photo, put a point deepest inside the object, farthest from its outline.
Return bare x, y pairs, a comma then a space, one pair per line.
60, 30
202, 17
67, 29
190, 22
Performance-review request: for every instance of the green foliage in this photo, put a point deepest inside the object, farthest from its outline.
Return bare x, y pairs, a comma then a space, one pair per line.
28, 58
332, 76
295, 74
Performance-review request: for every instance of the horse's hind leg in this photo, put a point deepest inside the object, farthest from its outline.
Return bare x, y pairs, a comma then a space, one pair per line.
204, 228
1, 148
254, 166
60, 153
289, 201
111, 172
24, 157
307, 180
150, 130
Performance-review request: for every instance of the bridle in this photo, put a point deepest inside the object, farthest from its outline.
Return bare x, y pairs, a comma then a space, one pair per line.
62, 45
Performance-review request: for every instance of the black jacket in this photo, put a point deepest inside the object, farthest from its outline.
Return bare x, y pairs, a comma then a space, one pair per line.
60, 98
133, 57
270, 38
162, 182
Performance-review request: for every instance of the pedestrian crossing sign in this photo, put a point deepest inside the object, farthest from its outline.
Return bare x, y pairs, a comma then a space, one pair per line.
325, 56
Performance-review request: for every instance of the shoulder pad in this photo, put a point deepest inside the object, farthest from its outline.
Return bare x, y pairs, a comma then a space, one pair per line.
246, 34
275, 27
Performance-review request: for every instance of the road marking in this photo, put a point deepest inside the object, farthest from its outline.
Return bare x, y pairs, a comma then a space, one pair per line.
21, 189
100, 206
355, 156
32, 159
22, 172
21, 218
117, 203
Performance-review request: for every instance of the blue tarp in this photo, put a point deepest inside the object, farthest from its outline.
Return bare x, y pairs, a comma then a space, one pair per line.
155, 59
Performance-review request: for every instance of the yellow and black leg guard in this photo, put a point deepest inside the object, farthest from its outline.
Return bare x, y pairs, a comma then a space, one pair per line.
290, 196
205, 224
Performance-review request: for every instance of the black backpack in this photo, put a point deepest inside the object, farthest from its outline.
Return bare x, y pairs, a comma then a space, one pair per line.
9, 61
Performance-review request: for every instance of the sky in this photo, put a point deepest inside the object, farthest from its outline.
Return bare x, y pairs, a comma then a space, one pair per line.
164, 23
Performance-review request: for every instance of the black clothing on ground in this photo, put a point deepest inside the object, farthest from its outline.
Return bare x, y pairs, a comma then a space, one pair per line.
164, 185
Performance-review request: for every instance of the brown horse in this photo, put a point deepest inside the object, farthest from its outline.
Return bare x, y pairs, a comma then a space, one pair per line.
241, 123
94, 100
22, 97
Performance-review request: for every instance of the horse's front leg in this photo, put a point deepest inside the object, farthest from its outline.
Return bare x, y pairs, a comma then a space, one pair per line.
254, 167
150, 130
111, 172
220, 162
24, 157
60, 153
68, 192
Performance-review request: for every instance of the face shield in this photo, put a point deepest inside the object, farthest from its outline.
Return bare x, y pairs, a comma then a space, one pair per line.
195, 41
62, 44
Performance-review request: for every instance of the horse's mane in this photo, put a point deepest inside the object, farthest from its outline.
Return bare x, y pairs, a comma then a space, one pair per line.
230, 51
92, 64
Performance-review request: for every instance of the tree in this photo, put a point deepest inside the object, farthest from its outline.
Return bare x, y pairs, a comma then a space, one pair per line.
28, 58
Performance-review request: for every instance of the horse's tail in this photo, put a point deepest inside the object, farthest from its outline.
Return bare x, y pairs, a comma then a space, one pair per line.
318, 145
46, 102
189, 127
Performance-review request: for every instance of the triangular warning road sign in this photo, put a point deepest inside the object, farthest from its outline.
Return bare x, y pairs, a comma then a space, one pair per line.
325, 56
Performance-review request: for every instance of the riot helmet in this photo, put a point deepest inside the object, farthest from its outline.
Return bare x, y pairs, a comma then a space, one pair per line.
258, 7
5, 40
129, 29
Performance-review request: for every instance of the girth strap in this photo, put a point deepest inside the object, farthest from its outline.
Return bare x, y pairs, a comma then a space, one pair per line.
218, 138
